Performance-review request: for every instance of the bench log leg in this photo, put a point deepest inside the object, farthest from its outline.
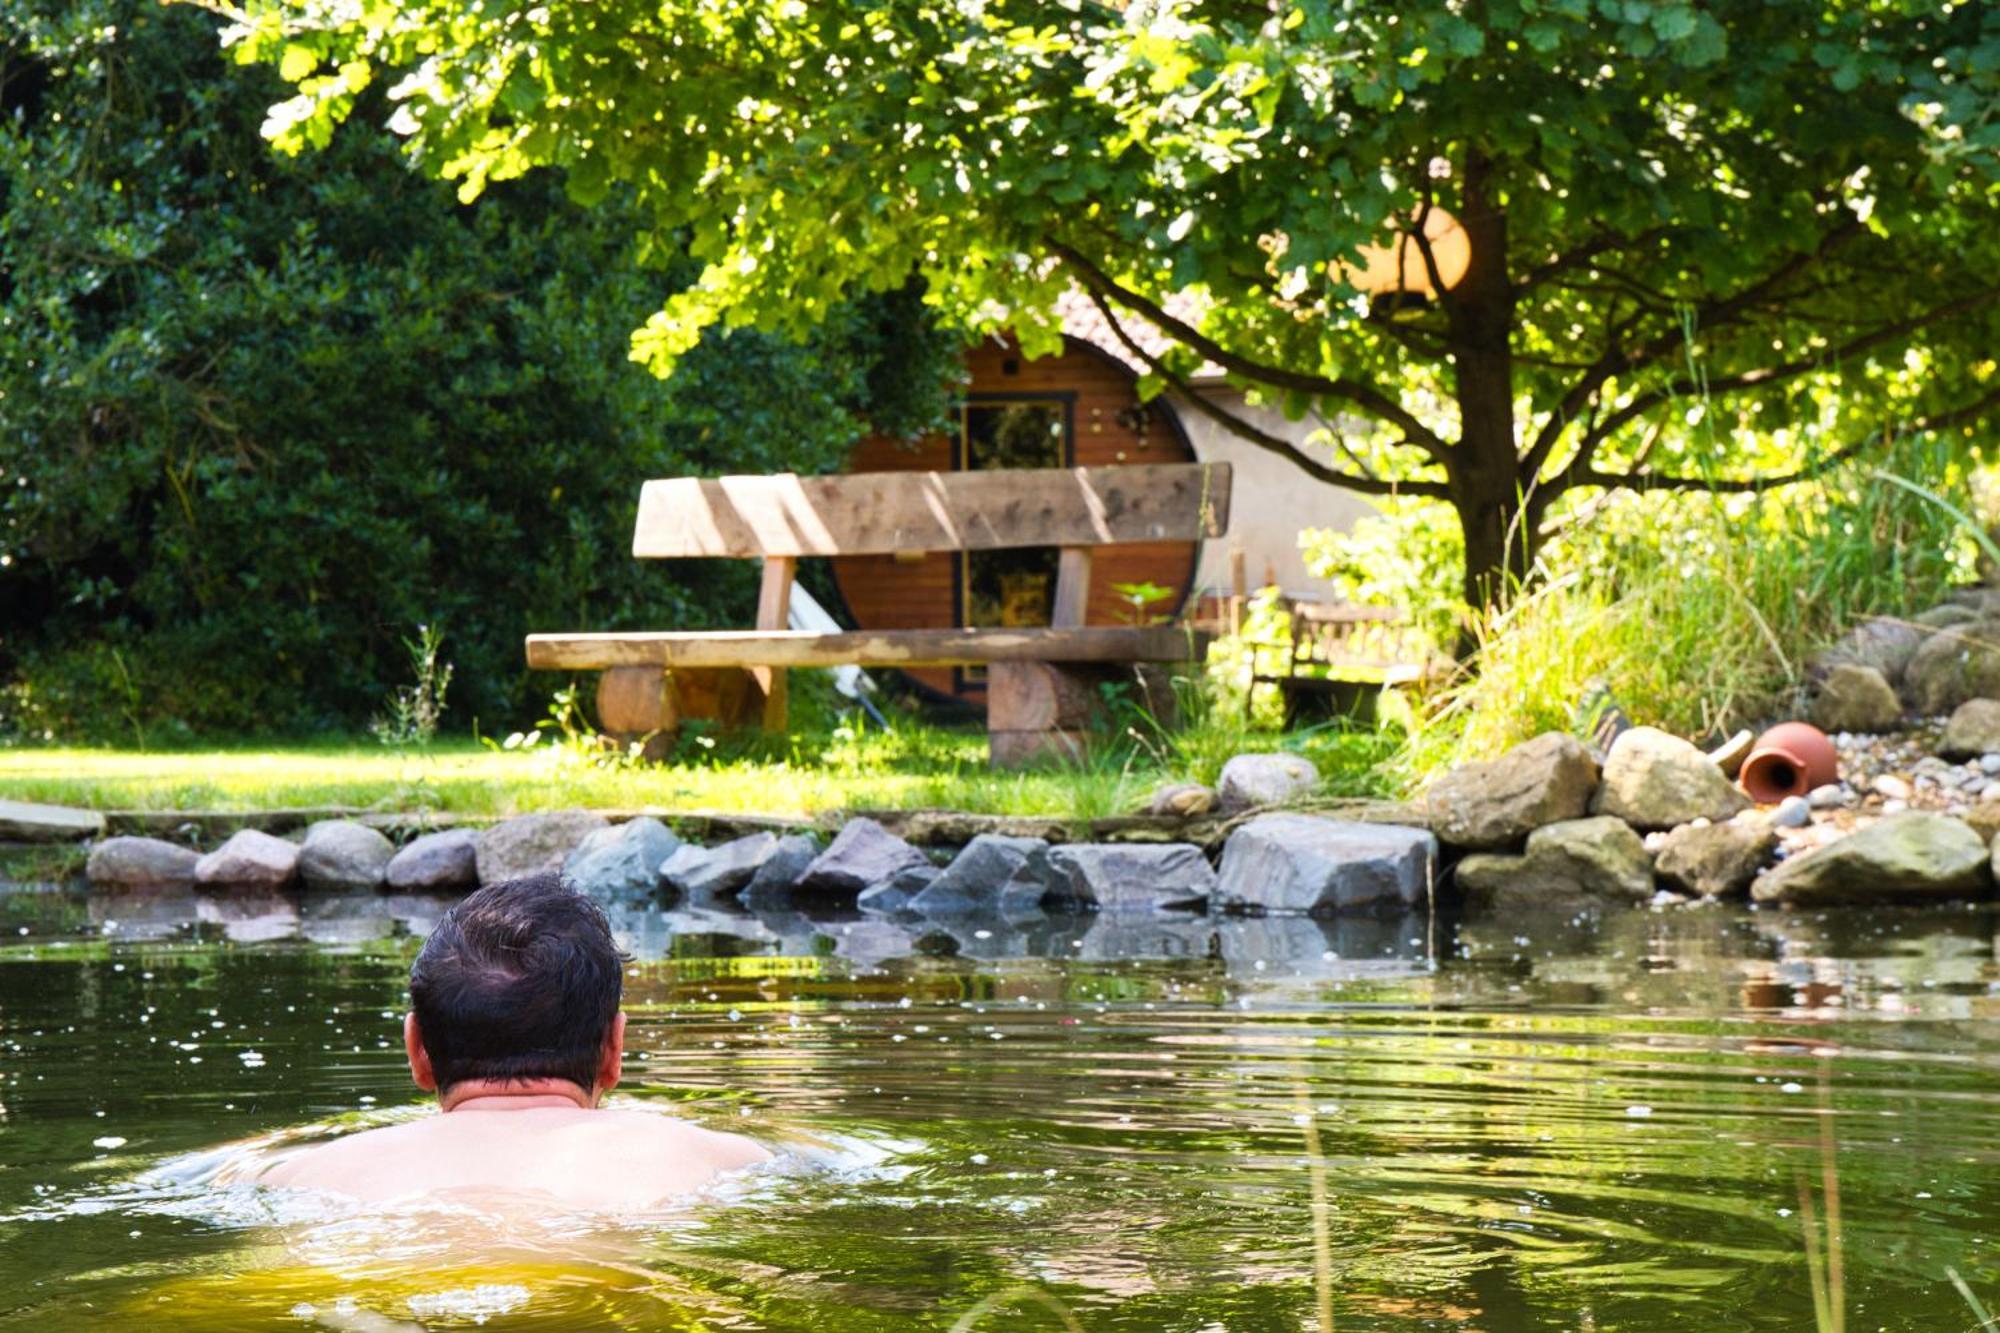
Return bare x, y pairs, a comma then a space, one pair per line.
1038, 710
635, 703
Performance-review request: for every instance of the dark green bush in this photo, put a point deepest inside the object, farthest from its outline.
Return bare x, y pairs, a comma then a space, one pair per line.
260, 417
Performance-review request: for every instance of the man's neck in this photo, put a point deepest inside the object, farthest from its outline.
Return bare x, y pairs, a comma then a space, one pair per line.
527, 1095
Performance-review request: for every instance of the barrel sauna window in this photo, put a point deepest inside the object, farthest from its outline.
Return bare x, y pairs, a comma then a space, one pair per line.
1079, 409
1013, 587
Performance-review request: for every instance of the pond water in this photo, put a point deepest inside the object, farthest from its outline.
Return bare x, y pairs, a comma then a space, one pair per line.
1174, 1123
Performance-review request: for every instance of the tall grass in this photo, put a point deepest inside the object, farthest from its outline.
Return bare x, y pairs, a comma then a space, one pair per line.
1697, 613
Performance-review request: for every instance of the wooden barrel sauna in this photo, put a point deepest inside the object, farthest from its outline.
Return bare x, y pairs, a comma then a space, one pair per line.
1079, 409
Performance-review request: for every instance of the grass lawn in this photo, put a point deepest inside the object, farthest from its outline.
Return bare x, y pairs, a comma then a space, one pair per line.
914, 766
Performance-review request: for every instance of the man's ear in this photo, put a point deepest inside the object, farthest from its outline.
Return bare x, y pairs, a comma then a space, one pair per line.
420, 1061
611, 1066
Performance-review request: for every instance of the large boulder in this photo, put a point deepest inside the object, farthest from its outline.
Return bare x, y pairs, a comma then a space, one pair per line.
435, 862
1115, 877
1955, 664
1972, 731
862, 854
622, 861
1251, 780
1309, 864
533, 844
1716, 860
1497, 803
771, 886
250, 859
1600, 858
1880, 642
720, 870
1857, 699
1656, 781
29, 821
980, 873
1911, 857
341, 854
140, 863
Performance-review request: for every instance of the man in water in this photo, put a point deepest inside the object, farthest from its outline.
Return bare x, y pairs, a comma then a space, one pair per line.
515, 1025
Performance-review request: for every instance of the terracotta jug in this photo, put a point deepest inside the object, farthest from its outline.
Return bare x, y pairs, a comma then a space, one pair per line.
1789, 760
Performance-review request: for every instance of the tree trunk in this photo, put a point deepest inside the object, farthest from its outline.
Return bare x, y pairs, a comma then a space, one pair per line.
1484, 472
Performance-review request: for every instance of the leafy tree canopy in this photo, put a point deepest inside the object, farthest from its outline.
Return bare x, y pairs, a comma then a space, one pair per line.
260, 417
1688, 219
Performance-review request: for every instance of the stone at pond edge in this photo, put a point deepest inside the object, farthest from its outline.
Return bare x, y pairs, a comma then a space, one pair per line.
140, 863
1858, 699
1309, 864
1600, 857
340, 854
771, 886
1716, 860
1656, 781
979, 874
1953, 665
533, 844
1973, 730
1909, 857
861, 854
899, 893
1116, 877
250, 859
446, 860
1182, 800
714, 871
1882, 643
1251, 780
623, 860
30, 821
1497, 803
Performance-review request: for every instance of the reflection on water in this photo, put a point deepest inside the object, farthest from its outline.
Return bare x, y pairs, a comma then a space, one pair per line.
1508, 1123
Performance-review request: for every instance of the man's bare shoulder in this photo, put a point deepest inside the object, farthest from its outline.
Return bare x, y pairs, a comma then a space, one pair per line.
590, 1158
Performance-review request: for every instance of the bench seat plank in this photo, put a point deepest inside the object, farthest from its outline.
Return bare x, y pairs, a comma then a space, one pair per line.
866, 648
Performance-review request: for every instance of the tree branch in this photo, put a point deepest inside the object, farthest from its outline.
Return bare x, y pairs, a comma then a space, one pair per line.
1653, 481
1369, 399
1361, 483
1769, 375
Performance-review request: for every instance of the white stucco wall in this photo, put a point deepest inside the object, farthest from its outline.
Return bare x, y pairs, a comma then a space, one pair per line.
1271, 500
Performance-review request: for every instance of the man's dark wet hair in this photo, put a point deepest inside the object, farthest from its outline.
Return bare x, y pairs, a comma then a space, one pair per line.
519, 981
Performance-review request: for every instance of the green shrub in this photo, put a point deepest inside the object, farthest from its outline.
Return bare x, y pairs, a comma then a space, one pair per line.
261, 417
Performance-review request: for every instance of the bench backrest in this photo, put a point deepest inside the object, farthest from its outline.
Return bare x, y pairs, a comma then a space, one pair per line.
879, 513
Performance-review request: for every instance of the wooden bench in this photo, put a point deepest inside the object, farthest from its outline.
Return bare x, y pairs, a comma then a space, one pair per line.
1041, 681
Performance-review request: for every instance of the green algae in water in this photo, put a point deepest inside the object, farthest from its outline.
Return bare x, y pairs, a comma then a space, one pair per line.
1562, 1124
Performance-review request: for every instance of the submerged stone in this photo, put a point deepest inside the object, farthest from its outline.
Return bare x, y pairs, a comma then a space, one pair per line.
1310, 864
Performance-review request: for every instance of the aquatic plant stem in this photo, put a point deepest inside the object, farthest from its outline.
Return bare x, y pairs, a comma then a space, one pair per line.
1321, 1232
